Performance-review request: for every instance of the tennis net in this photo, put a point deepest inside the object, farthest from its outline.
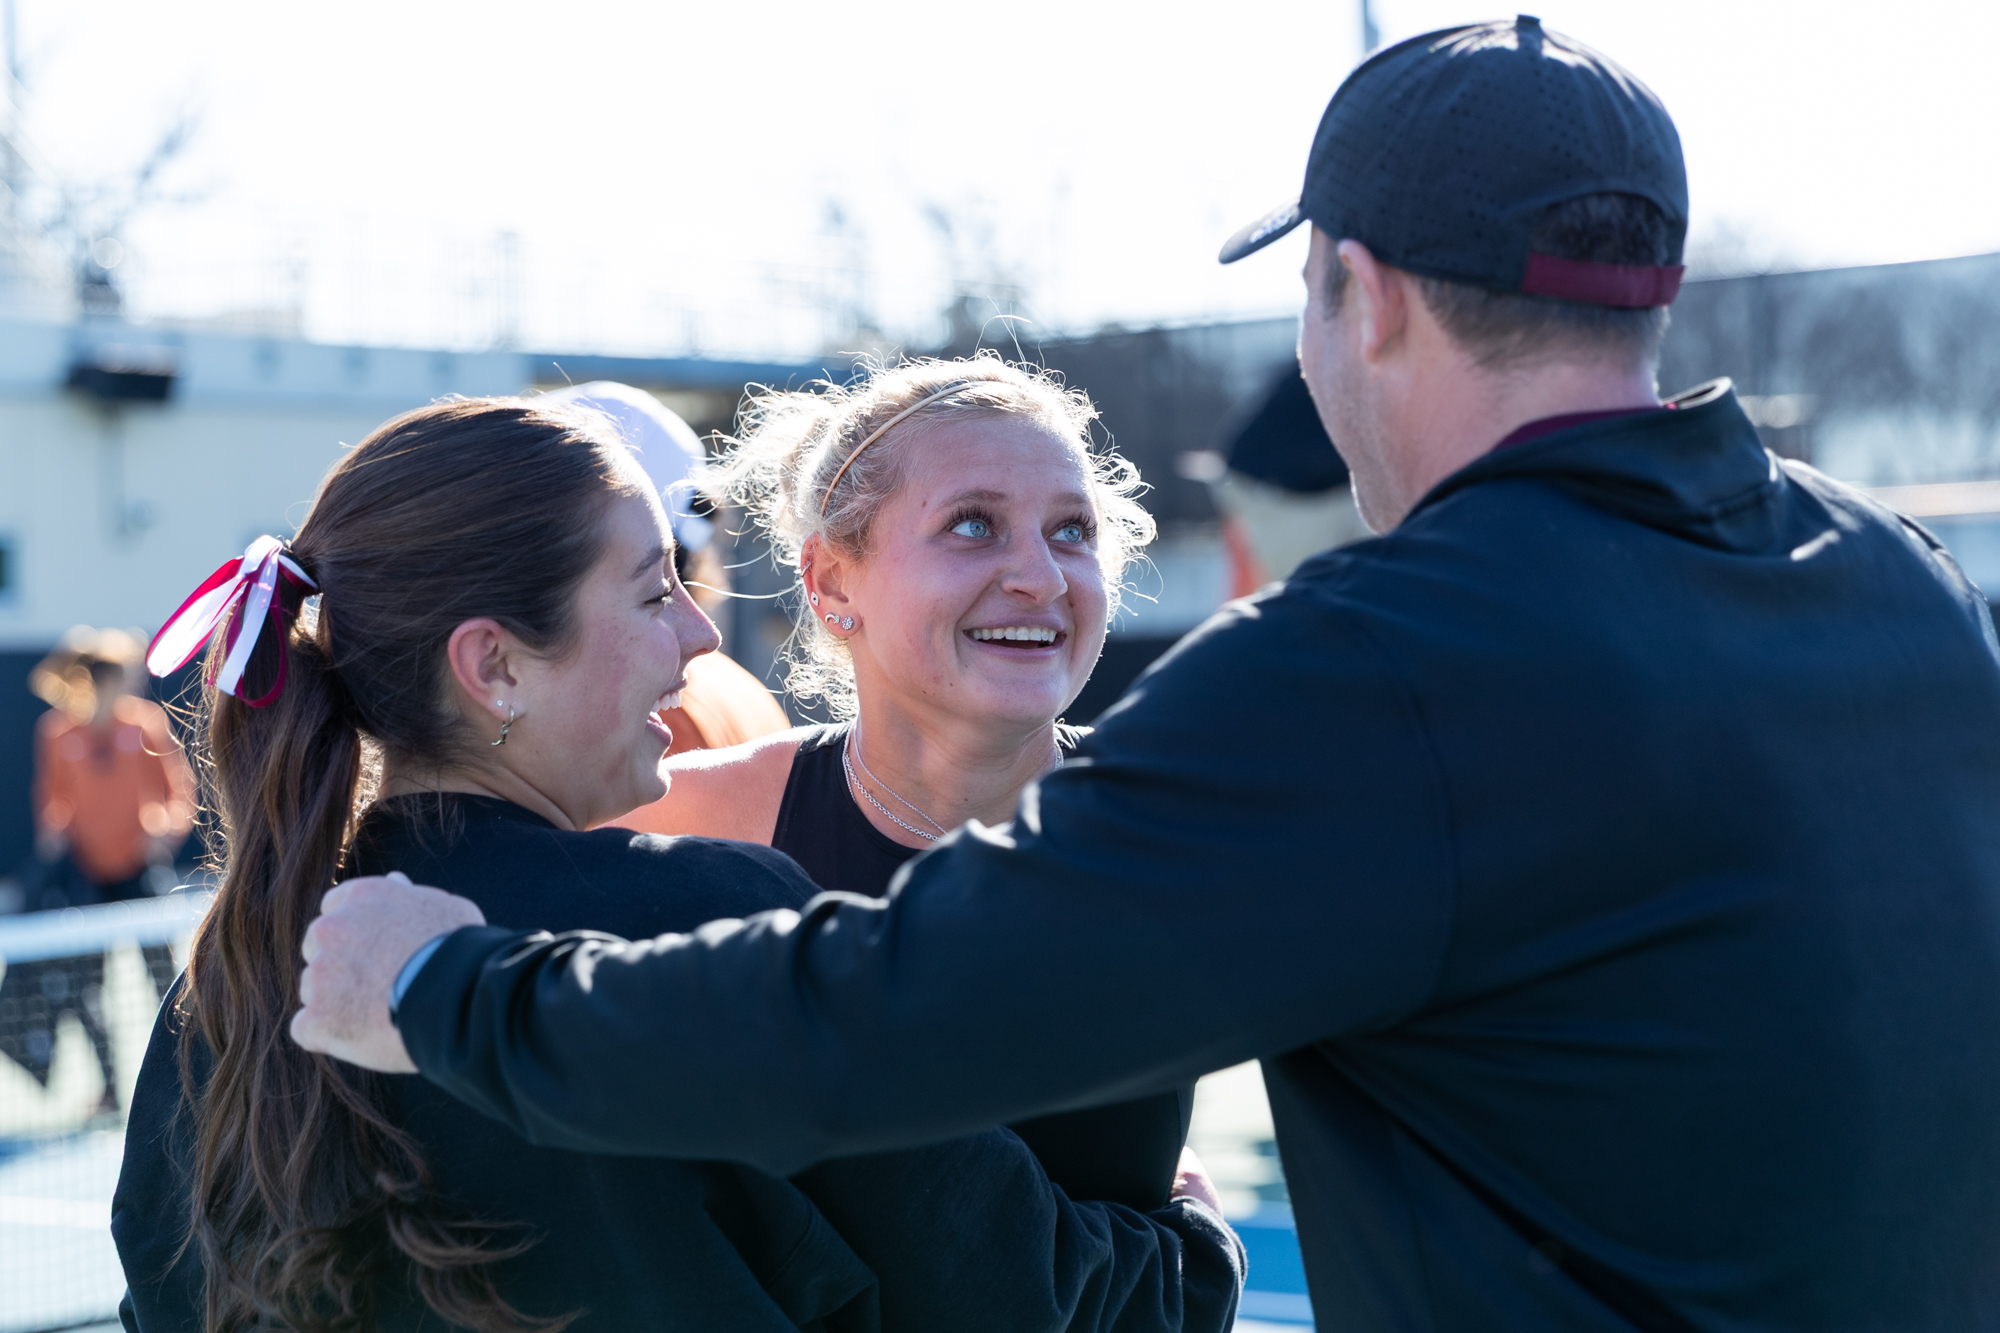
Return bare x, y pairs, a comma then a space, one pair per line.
79, 990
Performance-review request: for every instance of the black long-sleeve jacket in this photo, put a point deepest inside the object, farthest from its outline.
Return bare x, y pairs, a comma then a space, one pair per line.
1603, 863
962, 1235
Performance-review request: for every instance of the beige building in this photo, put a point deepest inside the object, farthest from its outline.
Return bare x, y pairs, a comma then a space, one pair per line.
134, 460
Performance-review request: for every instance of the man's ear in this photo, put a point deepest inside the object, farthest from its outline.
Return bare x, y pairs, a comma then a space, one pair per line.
1381, 295
482, 657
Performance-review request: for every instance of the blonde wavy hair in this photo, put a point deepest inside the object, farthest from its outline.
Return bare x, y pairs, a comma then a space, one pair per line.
791, 446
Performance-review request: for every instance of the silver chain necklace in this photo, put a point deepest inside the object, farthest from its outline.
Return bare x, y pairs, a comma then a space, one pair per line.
847, 748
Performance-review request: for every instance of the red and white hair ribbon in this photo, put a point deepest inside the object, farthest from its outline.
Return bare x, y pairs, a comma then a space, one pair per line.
250, 598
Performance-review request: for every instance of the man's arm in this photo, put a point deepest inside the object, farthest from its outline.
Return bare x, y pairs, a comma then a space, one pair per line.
1251, 853
970, 1236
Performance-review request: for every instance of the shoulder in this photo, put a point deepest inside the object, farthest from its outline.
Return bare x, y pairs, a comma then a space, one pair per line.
1285, 626
727, 793
701, 878
1855, 514
765, 755
1274, 679
728, 704
529, 876
1857, 511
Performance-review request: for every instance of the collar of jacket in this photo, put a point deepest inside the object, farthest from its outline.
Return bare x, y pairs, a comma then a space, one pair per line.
1692, 469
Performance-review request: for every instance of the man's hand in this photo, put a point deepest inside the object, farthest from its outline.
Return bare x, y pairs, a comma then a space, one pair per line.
366, 930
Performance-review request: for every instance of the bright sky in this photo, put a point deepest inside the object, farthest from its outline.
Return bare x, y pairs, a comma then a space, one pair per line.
671, 170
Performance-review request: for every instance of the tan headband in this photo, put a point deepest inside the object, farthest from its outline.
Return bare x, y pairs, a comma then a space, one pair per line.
882, 430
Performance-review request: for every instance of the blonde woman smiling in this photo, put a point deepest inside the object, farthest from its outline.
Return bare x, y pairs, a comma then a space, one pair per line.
960, 548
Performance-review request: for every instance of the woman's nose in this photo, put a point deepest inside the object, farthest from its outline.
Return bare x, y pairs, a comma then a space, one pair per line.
696, 632
1035, 573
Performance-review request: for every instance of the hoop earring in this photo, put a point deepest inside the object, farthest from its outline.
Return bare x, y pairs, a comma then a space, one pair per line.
506, 726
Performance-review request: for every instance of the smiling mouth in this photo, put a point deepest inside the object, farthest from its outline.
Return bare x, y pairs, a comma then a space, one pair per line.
1018, 637
670, 700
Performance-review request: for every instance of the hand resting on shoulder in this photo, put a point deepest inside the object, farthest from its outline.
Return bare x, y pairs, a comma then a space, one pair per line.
366, 930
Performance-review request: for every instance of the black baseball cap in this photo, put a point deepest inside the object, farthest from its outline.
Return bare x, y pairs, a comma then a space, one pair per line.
1440, 153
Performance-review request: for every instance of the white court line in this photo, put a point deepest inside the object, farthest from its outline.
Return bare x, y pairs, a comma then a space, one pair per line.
78, 1214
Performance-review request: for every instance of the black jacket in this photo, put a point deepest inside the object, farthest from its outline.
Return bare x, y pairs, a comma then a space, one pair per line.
967, 1234
1603, 863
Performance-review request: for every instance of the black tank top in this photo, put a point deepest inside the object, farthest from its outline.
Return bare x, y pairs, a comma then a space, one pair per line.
1124, 1153
821, 827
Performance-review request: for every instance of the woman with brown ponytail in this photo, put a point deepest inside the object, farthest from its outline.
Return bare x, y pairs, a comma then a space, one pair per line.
453, 671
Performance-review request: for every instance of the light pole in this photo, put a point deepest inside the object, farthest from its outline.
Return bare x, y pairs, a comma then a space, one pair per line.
10, 95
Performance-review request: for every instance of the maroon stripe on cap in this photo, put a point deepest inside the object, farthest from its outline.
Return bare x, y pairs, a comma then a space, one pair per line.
1629, 286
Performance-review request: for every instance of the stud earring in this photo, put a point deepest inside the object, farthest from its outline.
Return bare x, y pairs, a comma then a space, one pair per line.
506, 726
815, 598
832, 619
847, 622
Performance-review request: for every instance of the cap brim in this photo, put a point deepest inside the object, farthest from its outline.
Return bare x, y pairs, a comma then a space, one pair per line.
1278, 222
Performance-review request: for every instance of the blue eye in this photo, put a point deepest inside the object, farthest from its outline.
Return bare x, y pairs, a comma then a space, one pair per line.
1070, 532
972, 527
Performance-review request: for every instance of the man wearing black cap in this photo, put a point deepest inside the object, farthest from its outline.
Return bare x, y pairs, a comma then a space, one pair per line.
1600, 859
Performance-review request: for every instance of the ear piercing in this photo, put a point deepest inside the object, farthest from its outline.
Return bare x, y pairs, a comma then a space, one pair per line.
845, 622
506, 726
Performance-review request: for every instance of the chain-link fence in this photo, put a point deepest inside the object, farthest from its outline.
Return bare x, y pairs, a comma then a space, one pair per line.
79, 990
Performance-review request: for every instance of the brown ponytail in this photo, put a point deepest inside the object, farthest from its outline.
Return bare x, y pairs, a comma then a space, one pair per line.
306, 1197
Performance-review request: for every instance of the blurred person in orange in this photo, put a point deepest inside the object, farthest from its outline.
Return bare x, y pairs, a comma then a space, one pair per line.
723, 705
113, 792
114, 800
